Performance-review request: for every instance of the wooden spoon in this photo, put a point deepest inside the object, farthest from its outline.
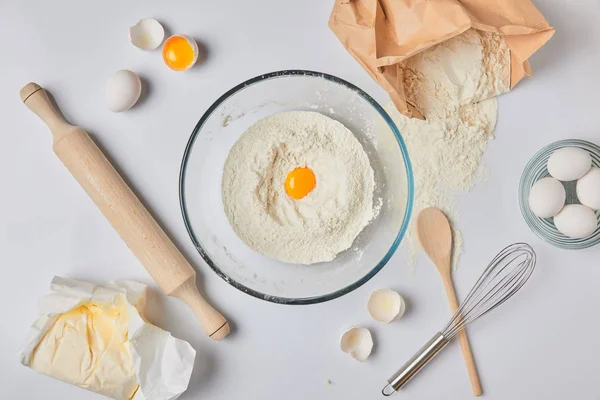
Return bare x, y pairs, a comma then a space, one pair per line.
435, 236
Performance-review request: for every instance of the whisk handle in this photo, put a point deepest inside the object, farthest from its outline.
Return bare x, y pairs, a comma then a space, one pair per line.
414, 365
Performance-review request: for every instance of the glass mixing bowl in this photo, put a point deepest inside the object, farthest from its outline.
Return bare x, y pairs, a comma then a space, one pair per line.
537, 169
200, 187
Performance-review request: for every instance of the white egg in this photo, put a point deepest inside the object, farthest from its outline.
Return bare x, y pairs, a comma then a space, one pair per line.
122, 90
569, 163
547, 197
588, 189
576, 221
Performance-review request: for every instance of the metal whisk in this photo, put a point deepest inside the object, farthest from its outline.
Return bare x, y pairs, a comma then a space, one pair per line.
502, 278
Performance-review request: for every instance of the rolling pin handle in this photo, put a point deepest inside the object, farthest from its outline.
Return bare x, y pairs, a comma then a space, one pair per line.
36, 99
213, 323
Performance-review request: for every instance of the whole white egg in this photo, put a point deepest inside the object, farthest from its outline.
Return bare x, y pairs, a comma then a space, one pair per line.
576, 221
588, 189
547, 197
122, 90
569, 163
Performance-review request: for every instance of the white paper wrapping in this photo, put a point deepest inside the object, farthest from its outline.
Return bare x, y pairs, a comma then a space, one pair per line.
162, 364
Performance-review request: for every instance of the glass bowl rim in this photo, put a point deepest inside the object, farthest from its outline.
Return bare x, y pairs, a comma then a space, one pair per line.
286, 300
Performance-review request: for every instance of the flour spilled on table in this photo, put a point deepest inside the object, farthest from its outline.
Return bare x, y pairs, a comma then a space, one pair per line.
453, 84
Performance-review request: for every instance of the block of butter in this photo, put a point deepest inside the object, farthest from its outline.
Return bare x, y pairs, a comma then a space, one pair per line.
94, 337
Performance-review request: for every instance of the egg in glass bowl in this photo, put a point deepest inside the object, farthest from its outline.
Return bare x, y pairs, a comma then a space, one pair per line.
201, 177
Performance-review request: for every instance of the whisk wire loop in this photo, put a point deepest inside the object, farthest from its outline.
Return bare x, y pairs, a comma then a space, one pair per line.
502, 278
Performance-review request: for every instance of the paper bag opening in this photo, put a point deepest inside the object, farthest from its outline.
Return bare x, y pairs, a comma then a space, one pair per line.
381, 34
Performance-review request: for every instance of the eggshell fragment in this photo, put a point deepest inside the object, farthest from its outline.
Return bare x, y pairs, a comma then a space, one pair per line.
569, 163
122, 90
147, 34
386, 305
547, 197
357, 342
588, 189
576, 221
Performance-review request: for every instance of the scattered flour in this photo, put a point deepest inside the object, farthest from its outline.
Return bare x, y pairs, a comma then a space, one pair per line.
449, 84
322, 224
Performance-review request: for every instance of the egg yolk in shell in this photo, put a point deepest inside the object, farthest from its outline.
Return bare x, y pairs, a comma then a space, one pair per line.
178, 53
300, 182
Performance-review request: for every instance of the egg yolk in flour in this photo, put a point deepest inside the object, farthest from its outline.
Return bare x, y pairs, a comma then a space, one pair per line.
300, 182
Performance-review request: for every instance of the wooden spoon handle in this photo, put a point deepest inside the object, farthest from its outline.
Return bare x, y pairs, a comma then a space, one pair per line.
125, 212
464, 340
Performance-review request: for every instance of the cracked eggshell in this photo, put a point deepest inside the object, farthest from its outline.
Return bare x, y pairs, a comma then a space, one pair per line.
147, 34
177, 50
386, 305
357, 342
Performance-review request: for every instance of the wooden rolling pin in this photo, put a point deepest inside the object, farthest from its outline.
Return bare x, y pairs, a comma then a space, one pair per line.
126, 213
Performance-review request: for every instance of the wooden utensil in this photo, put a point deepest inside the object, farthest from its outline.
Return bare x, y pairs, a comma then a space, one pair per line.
126, 213
435, 236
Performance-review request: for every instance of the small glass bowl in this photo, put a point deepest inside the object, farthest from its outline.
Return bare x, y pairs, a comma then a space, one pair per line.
201, 174
537, 169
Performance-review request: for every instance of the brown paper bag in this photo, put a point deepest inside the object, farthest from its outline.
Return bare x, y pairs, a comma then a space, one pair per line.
382, 33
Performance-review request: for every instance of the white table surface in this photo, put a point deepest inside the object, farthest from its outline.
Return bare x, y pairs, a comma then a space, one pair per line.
541, 345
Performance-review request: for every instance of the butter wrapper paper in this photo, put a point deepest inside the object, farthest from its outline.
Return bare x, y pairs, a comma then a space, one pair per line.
141, 362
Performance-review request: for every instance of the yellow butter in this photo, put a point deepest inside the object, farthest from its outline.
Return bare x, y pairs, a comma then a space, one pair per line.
87, 347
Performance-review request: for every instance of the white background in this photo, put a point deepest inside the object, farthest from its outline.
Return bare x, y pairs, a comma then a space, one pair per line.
541, 345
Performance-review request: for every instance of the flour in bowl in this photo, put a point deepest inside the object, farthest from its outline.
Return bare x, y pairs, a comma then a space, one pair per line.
298, 187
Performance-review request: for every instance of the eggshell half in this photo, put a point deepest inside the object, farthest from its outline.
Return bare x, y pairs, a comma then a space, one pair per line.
385, 305
357, 342
147, 34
